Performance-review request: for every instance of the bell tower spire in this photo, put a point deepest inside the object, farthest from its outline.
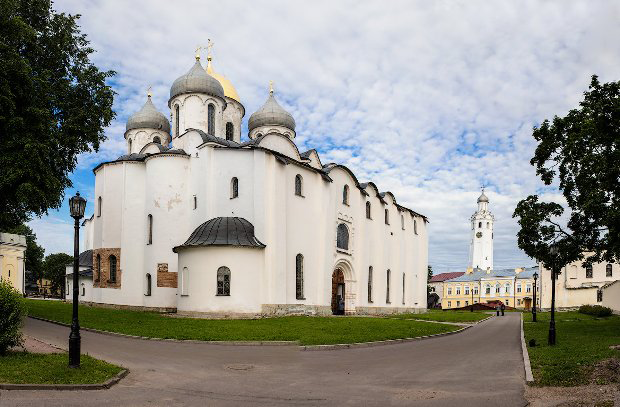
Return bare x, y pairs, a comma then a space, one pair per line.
481, 244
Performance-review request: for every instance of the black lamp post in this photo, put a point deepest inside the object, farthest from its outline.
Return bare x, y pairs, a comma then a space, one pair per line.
554, 252
77, 204
534, 307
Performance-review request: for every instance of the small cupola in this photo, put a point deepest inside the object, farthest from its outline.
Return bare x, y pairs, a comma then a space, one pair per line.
197, 80
271, 115
148, 118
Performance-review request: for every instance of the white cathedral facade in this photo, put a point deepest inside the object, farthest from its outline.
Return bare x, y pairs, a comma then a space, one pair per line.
195, 219
481, 243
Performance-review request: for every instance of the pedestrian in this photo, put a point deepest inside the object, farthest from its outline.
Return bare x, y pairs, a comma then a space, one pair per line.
503, 308
497, 309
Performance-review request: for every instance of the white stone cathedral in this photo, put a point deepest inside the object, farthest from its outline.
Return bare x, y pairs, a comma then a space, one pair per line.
195, 219
481, 244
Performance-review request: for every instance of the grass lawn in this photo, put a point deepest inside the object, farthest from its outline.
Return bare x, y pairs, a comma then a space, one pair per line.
36, 368
446, 316
306, 330
581, 341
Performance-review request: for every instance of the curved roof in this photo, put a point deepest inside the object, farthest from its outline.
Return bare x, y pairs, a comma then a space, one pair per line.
271, 114
229, 89
148, 118
223, 231
197, 80
483, 198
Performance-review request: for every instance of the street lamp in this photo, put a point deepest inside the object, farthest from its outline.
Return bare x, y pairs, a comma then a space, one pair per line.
77, 204
534, 307
554, 253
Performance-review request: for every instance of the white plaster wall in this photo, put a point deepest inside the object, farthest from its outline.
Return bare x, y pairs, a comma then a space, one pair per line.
233, 113
611, 297
84, 282
246, 271
263, 130
193, 113
141, 137
88, 233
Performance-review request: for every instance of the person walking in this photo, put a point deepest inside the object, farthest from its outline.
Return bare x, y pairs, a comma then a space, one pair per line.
503, 307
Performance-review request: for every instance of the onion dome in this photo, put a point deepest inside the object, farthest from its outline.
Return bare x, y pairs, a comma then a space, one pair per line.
483, 198
197, 80
148, 118
271, 114
229, 89
223, 231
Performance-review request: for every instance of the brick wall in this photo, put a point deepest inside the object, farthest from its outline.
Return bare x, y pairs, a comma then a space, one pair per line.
165, 278
101, 277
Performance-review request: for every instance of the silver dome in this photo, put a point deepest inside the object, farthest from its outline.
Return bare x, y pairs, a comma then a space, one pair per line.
271, 114
197, 80
148, 118
483, 198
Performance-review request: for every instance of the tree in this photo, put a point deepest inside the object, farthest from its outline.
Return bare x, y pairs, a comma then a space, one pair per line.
582, 152
55, 267
54, 105
428, 279
34, 252
12, 314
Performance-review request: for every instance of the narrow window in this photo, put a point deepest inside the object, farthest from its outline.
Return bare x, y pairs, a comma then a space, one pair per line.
487, 289
345, 195
99, 206
184, 281
466, 303
415, 226
230, 131
112, 263
148, 285
342, 237
370, 284
507, 288
83, 290
403, 288
458, 290
195, 202
98, 271
387, 217
497, 288
223, 281
518, 288
449, 290
298, 185
129, 146
599, 295
475, 290
299, 277
211, 119
528, 288
589, 273
387, 289
608, 271
234, 188
368, 210
176, 120
466, 290
150, 229
479, 224
449, 303
488, 225
458, 303
402, 222
157, 140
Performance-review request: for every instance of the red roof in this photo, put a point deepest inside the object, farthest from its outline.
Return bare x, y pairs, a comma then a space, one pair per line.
446, 276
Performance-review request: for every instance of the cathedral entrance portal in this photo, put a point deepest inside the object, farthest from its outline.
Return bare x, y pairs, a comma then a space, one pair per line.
338, 291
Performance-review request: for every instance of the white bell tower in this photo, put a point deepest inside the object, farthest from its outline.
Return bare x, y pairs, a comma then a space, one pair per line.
481, 245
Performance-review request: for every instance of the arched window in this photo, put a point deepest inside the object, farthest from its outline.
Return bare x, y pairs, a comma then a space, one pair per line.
345, 195
129, 141
195, 202
83, 290
157, 140
403, 288
387, 289
487, 289
211, 119
148, 285
342, 237
488, 225
112, 264
234, 188
149, 238
230, 131
184, 281
98, 271
99, 206
223, 281
368, 210
589, 273
387, 216
479, 224
176, 120
298, 185
415, 226
608, 271
402, 222
299, 277
370, 284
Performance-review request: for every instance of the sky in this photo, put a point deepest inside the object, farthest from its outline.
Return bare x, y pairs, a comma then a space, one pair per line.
428, 99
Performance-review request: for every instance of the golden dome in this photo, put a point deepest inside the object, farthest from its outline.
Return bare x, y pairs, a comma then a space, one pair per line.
229, 89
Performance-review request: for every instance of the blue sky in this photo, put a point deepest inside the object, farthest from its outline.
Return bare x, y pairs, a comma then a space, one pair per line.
428, 100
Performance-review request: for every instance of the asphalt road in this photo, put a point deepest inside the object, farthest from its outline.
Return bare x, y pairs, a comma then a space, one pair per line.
481, 366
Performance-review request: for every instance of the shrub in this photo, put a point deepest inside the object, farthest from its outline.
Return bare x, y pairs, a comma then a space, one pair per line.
12, 313
596, 310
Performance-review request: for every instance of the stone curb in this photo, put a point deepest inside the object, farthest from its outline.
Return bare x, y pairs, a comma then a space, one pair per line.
274, 343
529, 377
98, 386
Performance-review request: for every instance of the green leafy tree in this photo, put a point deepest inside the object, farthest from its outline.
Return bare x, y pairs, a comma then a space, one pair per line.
582, 152
54, 105
428, 279
12, 314
55, 267
34, 252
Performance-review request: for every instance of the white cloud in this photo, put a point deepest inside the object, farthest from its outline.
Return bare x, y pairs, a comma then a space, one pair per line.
435, 98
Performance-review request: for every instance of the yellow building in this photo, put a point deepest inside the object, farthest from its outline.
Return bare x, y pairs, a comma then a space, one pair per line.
12, 252
512, 287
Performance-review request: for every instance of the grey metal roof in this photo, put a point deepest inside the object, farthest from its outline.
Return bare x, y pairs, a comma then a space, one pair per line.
209, 138
223, 231
271, 114
148, 118
483, 198
86, 258
197, 80
478, 274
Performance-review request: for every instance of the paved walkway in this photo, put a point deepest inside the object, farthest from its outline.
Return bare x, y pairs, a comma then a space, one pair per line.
481, 366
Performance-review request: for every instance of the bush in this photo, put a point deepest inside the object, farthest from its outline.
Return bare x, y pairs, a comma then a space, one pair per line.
12, 314
596, 310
